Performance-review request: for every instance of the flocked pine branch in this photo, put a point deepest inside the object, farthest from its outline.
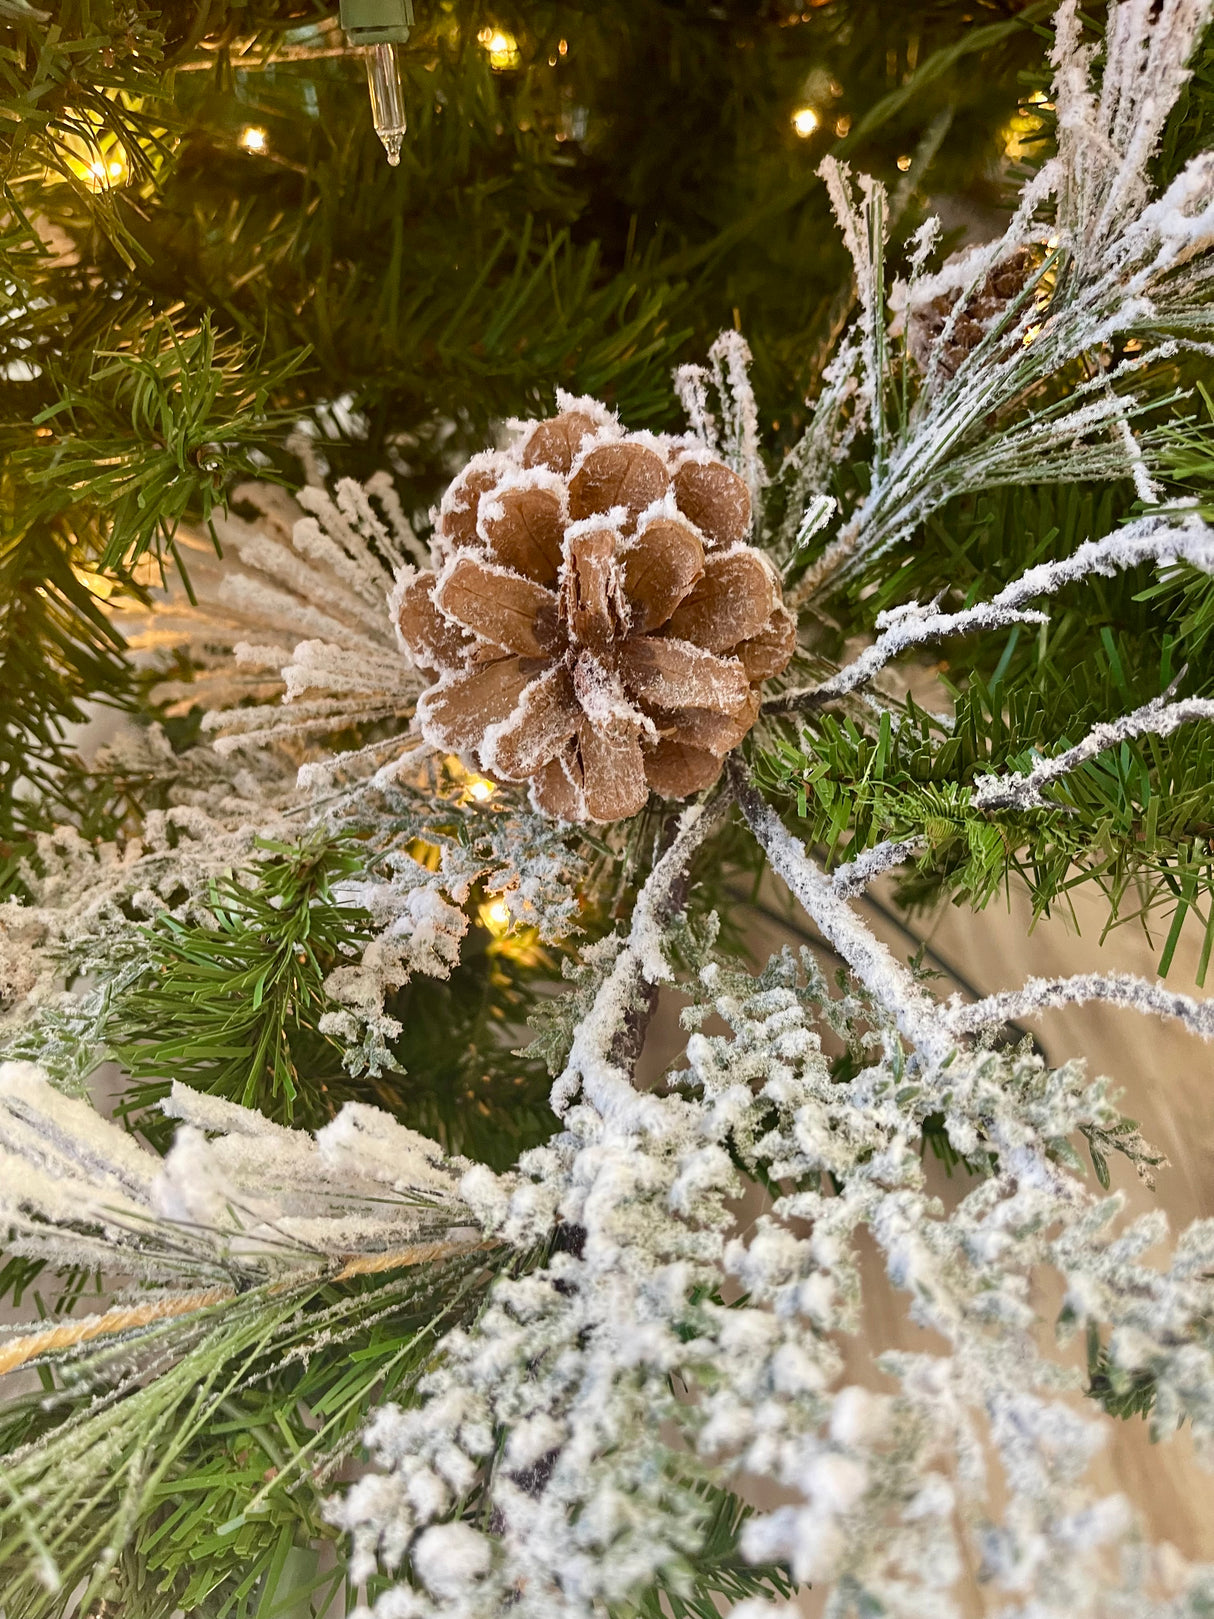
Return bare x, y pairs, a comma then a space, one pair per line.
646, 1344
1157, 718
1144, 281
1115, 989
1164, 541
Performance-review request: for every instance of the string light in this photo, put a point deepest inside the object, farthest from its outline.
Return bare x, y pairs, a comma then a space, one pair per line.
805, 120
496, 917
380, 30
480, 789
904, 163
253, 139
502, 48
95, 158
106, 172
843, 124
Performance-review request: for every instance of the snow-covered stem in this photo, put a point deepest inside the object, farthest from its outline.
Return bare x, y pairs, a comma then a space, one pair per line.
1164, 540
915, 1013
599, 1063
854, 877
1024, 792
1116, 989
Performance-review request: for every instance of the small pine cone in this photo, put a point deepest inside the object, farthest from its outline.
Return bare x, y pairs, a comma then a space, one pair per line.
596, 623
927, 317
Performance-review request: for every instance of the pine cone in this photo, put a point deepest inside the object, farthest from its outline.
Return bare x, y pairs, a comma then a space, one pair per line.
596, 623
928, 316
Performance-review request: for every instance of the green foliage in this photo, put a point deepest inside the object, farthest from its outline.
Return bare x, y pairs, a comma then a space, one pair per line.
1136, 822
715, 1573
193, 1487
57, 650
233, 1007
1121, 1395
139, 437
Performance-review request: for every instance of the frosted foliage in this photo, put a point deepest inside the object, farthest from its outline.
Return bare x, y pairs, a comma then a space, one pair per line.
289, 636
89, 901
1158, 718
647, 1337
733, 430
419, 913
579, 1361
1123, 264
237, 1198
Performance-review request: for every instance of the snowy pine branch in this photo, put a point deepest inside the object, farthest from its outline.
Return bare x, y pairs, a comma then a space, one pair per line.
1159, 539
1024, 791
1115, 989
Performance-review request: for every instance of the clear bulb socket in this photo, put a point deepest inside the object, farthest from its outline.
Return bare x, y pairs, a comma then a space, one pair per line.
387, 97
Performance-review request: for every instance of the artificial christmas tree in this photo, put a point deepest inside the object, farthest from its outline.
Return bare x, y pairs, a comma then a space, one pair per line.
342, 1279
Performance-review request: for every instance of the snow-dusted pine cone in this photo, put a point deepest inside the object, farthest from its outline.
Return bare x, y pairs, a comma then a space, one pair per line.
595, 620
936, 299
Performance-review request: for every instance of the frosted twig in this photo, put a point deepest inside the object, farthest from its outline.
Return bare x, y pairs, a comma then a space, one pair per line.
1118, 989
916, 1014
593, 1064
1155, 538
1158, 717
853, 878
914, 626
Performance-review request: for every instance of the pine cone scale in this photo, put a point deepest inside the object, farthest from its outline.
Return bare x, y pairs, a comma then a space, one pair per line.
591, 608
498, 606
676, 770
661, 566
769, 652
613, 769
523, 530
435, 642
624, 474
460, 709
677, 674
731, 603
543, 722
716, 501
556, 443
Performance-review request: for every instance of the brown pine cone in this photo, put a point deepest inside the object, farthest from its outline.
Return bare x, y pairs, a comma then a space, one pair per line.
597, 624
927, 317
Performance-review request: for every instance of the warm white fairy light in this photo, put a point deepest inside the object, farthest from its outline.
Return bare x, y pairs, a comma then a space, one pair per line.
501, 48
254, 139
805, 120
496, 917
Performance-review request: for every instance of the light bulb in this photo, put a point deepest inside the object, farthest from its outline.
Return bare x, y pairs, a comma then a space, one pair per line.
387, 98
480, 789
502, 48
496, 917
104, 172
804, 121
253, 139
379, 28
